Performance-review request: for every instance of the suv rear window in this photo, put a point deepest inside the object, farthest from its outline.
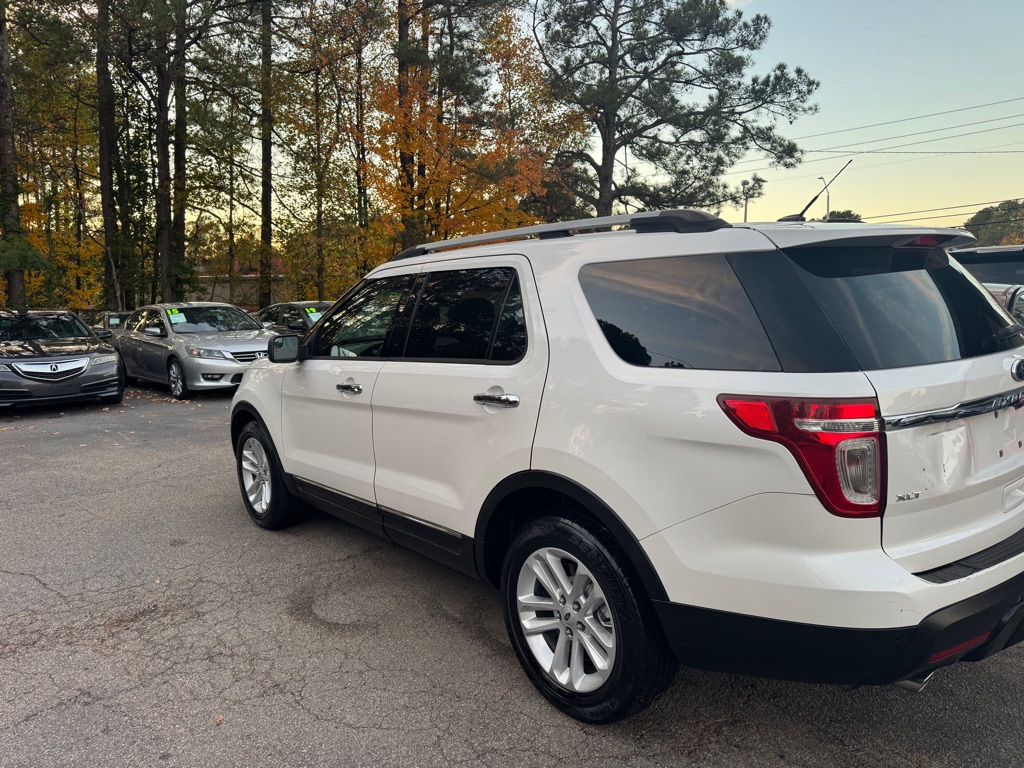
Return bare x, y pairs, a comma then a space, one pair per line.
679, 312
902, 307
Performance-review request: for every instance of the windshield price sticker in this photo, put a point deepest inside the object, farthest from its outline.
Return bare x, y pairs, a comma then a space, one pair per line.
313, 312
175, 316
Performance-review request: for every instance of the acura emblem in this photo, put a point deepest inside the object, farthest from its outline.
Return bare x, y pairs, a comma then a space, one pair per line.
1017, 369
54, 368
260, 355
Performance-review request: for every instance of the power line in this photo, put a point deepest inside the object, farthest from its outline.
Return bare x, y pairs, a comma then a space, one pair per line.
949, 216
854, 153
925, 152
945, 208
908, 119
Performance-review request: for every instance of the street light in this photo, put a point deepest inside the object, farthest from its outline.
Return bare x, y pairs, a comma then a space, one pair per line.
828, 205
745, 184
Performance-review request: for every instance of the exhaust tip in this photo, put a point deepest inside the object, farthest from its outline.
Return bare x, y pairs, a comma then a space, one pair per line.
915, 684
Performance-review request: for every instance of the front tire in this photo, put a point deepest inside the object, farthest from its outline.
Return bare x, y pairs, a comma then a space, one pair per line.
261, 480
177, 382
581, 623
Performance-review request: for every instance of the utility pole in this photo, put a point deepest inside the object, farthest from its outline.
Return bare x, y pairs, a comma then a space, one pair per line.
745, 184
828, 203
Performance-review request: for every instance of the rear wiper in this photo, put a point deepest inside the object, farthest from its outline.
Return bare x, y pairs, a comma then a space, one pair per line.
1008, 331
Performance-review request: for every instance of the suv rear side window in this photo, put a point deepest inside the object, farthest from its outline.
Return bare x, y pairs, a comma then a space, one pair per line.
679, 312
469, 314
897, 308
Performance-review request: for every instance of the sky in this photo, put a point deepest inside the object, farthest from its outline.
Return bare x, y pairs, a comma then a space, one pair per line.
899, 60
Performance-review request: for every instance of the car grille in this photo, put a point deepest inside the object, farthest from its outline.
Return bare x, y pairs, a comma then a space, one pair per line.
56, 371
248, 357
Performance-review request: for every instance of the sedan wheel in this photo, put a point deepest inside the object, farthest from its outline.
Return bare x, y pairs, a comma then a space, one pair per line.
176, 379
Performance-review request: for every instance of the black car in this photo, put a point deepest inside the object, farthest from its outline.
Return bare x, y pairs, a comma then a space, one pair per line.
1002, 264
51, 356
291, 316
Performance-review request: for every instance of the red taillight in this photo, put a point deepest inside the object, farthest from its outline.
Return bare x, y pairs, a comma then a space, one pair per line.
957, 649
838, 444
929, 241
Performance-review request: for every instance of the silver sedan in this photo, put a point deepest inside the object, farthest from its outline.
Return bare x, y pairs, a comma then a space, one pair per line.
191, 346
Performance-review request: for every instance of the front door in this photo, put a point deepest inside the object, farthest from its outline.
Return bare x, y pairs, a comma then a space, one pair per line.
326, 417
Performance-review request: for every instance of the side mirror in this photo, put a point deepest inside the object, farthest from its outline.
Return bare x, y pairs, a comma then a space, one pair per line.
285, 349
296, 325
151, 331
104, 333
266, 323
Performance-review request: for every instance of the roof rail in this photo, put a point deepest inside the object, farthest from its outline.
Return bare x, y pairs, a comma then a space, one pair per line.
677, 220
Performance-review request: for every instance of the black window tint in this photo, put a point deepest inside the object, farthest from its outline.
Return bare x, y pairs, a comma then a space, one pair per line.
154, 320
1008, 272
290, 315
510, 339
360, 326
134, 323
682, 312
456, 315
897, 308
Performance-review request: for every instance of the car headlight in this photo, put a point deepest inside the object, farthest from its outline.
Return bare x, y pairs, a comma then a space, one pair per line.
200, 352
4, 367
102, 359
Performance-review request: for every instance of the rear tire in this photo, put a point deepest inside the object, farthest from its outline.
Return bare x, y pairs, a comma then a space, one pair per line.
580, 622
261, 479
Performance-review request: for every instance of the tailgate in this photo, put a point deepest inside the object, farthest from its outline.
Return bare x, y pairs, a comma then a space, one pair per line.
955, 445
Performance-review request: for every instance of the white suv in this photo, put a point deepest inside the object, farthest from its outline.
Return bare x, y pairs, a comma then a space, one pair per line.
791, 449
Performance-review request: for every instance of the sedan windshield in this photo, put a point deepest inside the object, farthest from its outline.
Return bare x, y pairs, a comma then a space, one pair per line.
35, 327
210, 320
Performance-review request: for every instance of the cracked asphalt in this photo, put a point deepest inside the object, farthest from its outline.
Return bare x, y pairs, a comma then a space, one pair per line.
145, 621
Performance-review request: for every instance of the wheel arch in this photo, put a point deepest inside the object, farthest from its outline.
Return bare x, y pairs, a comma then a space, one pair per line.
526, 495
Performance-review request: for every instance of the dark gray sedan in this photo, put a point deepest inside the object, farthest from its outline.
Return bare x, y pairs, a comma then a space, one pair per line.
191, 346
51, 356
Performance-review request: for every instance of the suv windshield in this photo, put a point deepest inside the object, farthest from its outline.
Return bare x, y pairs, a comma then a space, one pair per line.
35, 327
902, 307
210, 320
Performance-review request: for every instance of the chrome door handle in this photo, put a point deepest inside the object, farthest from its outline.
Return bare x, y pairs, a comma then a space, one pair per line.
355, 389
502, 401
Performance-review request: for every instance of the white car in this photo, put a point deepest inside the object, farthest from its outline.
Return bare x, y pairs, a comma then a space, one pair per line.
791, 449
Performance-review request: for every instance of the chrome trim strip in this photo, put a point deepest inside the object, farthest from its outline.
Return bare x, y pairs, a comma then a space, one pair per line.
420, 521
1011, 399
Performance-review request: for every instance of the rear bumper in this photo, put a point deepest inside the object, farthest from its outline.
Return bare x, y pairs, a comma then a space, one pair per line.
741, 644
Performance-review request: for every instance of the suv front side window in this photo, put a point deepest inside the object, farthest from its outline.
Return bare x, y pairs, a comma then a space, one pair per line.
360, 326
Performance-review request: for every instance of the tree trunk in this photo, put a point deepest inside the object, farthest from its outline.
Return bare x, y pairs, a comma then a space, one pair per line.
266, 295
10, 213
164, 223
180, 140
412, 218
105, 107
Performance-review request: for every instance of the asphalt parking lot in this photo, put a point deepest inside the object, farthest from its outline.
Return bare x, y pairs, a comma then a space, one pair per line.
145, 621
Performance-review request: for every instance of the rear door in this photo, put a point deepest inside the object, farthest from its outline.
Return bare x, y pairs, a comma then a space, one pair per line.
946, 364
457, 411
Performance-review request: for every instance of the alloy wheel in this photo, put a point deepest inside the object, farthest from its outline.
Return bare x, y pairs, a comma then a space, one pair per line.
255, 469
566, 620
